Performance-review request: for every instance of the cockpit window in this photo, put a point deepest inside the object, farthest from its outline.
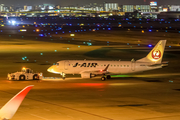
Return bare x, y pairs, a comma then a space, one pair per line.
57, 64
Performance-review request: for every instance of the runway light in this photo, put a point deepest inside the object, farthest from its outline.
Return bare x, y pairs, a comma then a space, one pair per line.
22, 30
169, 46
89, 44
41, 53
142, 31
150, 30
68, 48
78, 46
150, 45
37, 30
55, 50
72, 35
127, 43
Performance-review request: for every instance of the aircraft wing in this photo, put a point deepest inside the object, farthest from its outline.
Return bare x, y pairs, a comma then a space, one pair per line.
10, 108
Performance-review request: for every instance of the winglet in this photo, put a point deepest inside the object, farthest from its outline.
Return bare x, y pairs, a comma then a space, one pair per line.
10, 108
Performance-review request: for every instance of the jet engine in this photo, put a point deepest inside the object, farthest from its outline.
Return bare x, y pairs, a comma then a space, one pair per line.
86, 75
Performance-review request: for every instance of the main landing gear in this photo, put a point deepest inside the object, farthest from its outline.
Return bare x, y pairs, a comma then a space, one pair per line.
103, 78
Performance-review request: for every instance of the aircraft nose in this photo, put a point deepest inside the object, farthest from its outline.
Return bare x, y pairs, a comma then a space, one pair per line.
50, 69
53, 69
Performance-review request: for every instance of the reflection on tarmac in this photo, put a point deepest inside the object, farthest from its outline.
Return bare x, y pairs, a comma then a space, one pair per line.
93, 99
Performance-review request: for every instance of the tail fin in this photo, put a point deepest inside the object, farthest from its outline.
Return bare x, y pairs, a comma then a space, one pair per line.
10, 108
156, 54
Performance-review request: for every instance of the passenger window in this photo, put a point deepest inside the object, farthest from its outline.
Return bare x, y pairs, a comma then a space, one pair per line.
111, 65
104, 65
57, 64
124, 65
127, 65
121, 65
118, 65
101, 65
114, 65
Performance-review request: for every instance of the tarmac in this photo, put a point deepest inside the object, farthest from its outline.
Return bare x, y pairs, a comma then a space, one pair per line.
92, 99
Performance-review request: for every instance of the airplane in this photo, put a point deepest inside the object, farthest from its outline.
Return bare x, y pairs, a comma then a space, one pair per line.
92, 68
10, 108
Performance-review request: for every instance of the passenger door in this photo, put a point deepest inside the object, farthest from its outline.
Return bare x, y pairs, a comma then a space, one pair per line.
66, 65
133, 64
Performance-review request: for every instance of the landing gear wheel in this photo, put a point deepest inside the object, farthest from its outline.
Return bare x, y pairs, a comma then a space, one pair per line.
63, 76
103, 78
108, 77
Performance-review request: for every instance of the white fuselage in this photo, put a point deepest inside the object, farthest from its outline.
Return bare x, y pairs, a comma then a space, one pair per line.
115, 67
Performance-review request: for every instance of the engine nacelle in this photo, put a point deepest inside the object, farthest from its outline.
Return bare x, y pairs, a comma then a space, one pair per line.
86, 75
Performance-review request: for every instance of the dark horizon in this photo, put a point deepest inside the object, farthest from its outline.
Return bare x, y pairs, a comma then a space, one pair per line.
84, 2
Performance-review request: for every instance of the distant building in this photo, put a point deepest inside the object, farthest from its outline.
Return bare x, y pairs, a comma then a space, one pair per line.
153, 6
134, 14
127, 8
25, 7
57, 7
110, 6
143, 8
1, 7
29, 8
175, 8
6, 8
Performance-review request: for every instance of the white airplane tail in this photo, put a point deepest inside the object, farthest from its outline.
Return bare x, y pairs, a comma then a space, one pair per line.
156, 54
10, 108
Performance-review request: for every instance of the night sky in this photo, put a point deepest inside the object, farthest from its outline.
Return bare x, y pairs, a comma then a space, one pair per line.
82, 2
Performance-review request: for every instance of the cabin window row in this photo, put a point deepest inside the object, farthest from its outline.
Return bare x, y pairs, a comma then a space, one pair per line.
109, 66
116, 65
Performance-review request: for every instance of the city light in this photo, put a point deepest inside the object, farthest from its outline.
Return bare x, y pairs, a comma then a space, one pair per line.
37, 30
12, 22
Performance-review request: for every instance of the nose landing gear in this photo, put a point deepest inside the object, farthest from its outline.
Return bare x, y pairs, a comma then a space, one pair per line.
63, 76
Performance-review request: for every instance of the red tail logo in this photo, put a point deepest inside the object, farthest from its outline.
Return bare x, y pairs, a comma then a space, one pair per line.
156, 54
